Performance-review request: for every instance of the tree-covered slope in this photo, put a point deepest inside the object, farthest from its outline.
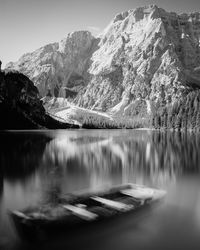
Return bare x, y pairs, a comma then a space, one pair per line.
20, 104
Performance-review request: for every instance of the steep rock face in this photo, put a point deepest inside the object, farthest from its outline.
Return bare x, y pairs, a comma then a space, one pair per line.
145, 57
59, 69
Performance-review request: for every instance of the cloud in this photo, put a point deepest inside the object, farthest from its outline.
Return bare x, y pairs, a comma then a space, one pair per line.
95, 30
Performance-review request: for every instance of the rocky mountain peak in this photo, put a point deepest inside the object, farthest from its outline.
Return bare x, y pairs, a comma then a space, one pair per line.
59, 67
138, 13
144, 58
74, 40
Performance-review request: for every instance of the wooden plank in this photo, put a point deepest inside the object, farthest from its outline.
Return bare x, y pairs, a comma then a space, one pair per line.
113, 204
20, 214
81, 212
139, 193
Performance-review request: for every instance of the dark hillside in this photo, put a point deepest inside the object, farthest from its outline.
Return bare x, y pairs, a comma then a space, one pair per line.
20, 104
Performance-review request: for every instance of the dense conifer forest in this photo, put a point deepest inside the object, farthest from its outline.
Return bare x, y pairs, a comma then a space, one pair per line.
119, 123
182, 115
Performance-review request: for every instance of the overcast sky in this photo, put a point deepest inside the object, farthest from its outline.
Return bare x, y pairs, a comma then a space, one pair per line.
29, 24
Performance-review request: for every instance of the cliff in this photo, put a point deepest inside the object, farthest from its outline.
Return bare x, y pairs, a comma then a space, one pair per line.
145, 58
59, 69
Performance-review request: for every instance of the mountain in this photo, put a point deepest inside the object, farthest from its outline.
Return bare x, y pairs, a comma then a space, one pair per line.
145, 58
20, 104
59, 69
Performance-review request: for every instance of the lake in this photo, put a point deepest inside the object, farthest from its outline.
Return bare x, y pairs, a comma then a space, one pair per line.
36, 166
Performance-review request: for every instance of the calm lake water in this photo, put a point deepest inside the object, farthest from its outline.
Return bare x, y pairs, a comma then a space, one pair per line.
34, 166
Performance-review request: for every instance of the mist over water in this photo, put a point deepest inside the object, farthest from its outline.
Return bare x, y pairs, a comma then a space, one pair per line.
38, 166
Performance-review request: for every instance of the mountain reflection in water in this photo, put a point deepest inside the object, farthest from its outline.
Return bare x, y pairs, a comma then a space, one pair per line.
37, 167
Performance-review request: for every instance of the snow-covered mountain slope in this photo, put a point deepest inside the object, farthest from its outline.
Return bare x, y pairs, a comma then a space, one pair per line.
65, 111
145, 57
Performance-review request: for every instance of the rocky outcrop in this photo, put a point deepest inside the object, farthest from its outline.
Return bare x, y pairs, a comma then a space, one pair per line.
145, 58
59, 69
20, 105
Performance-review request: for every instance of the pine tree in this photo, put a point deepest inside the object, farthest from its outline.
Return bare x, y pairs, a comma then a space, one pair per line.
194, 118
178, 121
169, 119
198, 121
173, 121
152, 123
184, 120
190, 115
163, 118
157, 121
